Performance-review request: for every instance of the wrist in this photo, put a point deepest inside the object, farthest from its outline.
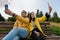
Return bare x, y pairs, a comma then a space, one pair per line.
47, 15
13, 14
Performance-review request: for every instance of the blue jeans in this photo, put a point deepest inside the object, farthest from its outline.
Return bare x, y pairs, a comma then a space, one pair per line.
16, 34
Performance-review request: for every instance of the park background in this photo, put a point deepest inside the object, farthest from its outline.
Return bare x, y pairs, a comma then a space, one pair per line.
40, 7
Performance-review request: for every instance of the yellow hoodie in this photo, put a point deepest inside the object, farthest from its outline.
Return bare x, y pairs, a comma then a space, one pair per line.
21, 24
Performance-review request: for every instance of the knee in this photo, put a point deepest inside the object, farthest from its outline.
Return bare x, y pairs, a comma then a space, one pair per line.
17, 38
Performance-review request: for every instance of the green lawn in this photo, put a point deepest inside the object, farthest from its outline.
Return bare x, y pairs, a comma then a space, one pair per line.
55, 30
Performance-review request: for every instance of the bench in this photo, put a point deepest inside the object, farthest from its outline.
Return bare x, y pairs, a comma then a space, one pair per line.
5, 27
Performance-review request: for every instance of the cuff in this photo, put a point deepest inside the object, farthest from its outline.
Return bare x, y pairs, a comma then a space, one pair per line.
47, 16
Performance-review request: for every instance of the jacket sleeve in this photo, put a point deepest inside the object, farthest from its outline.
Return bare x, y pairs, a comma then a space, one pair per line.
16, 23
22, 19
42, 31
42, 19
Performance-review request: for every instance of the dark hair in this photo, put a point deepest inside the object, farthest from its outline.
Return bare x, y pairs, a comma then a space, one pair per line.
30, 18
24, 11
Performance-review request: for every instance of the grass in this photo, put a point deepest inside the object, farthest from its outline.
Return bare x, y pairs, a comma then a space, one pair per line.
54, 23
55, 29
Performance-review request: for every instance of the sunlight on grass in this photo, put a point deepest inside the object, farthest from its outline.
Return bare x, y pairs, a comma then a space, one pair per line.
56, 24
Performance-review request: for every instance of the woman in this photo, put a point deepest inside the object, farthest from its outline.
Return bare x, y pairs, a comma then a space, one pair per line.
37, 33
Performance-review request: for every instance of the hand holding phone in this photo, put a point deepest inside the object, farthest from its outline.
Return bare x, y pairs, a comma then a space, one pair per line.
6, 6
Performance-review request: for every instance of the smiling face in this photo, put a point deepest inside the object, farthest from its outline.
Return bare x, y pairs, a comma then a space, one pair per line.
32, 15
23, 13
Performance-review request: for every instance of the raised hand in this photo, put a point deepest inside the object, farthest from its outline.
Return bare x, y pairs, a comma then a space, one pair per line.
8, 12
49, 8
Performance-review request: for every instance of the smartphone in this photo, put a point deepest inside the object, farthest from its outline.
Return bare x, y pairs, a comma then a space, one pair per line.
6, 6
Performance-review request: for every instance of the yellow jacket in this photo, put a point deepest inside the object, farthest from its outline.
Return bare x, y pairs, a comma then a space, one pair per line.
31, 27
37, 22
21, 24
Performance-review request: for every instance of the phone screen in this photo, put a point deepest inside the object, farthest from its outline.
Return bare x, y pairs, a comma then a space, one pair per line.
6, 6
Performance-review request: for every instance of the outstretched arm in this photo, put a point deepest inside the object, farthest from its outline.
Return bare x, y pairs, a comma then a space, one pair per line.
47, 15
17, 17
9, 12
44, 18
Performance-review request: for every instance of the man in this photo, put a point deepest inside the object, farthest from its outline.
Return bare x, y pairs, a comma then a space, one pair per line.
20, 29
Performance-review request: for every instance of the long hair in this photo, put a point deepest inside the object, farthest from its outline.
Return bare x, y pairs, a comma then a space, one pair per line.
30, 18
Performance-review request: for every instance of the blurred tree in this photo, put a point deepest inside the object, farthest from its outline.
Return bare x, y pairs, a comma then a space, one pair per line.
37, 14
59, 20
11, 19
28, 14
55, 18
41, 13
55, 15
1, 18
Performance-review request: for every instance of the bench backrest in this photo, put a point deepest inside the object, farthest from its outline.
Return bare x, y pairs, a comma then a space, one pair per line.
5, 27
